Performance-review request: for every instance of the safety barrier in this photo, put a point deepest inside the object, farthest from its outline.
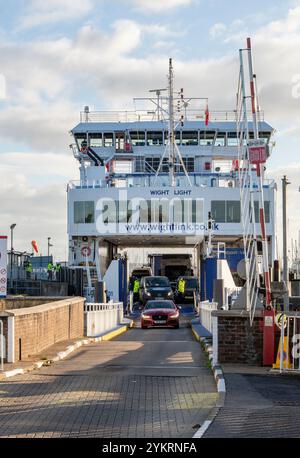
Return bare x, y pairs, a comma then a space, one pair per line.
290, 342
205, 310
100, 318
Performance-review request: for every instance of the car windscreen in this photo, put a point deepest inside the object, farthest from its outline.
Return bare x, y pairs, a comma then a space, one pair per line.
157, 281
159, 305
191, 283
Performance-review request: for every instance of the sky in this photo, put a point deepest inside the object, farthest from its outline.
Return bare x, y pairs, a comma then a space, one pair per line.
60, 55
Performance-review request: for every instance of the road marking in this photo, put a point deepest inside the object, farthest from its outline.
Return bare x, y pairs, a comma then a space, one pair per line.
202, 430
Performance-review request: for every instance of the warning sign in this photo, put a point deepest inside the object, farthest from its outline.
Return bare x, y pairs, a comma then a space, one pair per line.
257, 152
3, 266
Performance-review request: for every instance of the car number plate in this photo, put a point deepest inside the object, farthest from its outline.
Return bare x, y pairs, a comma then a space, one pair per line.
160, 322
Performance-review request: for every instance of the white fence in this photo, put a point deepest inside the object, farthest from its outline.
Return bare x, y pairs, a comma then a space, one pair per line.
290, 342
100, 318
205, 310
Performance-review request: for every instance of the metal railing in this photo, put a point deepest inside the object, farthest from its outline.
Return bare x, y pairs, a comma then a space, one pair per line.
145, 180
146, 115
290, 342
205, 310
100, 318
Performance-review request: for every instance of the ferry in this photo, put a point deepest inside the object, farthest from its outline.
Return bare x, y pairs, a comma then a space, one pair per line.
164, 177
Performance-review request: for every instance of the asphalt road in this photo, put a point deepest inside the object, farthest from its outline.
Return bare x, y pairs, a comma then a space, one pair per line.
145, 383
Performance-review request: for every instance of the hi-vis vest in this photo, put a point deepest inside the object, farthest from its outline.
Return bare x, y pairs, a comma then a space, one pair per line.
136, 286
181, 285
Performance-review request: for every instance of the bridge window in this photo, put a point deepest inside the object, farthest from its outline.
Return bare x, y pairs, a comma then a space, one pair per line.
109, 211
137, 138
189, 138
226, 211
189, 163
160, 211
265, 136
177, 135
152, 164
108, 139
197, 211
145, 211
139, 164
84, 212
218, 211
232, 139
221, 139
79, 138
154, 138
178, 216
233, 211
207, 137
95, 140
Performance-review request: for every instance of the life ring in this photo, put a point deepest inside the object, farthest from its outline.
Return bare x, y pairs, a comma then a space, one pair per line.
86, 251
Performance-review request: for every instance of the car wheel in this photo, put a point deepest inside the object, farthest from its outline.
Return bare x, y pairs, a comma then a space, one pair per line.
144, 327
177, 326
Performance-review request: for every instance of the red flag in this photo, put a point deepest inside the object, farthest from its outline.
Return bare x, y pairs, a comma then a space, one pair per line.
206, 115
35, 246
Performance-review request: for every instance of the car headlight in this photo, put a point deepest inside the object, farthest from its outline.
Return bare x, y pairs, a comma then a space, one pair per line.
170, 293
147, 293
146, 316
175, 315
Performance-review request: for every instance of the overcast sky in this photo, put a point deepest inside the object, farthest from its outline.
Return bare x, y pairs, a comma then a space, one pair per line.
58, 56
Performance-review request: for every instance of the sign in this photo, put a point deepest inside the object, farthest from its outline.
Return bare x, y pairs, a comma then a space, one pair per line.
3, 266
268, 321
257, 152
279, 318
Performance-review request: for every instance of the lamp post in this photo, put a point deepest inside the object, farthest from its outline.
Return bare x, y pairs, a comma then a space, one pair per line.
285, 183
11, 252
49, 245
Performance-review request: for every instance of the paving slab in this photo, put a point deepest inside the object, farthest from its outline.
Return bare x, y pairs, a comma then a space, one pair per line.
144, 383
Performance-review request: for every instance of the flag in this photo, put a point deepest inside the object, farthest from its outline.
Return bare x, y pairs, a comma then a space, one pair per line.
206, 115
35, 246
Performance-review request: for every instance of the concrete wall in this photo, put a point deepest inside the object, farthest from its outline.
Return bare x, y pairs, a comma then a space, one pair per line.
237, 341
38, 327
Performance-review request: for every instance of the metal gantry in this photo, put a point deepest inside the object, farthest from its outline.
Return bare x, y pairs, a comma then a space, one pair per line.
251, 176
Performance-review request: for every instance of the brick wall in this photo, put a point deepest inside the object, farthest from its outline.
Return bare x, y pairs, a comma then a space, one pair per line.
238, 342
37, 328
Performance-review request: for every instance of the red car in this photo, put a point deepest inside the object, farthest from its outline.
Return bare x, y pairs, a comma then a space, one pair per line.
160, 313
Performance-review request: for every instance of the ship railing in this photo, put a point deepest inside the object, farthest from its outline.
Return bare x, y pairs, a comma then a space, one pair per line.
142, 116
142, 180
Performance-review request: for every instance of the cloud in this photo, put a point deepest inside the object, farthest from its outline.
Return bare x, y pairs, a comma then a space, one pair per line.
158, 6
292, 171
34, 187
41, 12
47, 82
2, 87
217, 30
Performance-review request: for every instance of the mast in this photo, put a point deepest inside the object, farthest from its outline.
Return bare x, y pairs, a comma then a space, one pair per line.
172, 151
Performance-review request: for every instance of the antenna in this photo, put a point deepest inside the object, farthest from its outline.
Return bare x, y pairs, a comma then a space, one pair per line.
159, 107
171, 147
